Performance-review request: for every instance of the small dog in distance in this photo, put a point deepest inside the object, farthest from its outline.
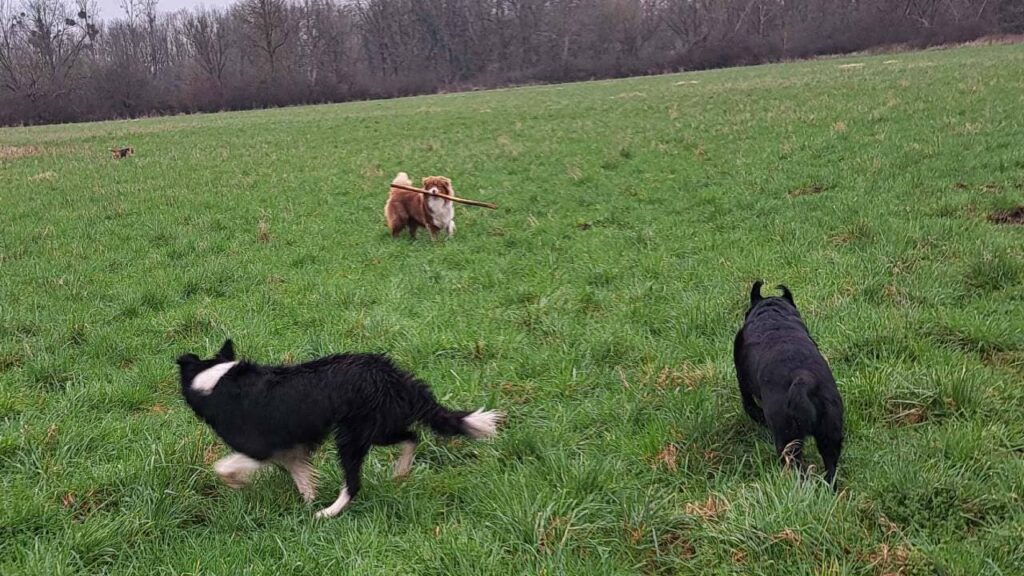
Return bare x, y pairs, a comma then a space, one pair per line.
119, 153
785, 382
412, 210
281, 414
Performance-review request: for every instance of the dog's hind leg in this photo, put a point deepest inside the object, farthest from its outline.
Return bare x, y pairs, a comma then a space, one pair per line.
352, 450
296, 462
408, 441
396, 217
751, 408
236, 469
829, 448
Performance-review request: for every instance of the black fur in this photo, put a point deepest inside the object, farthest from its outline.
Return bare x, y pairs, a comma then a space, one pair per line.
364, 400
785, 382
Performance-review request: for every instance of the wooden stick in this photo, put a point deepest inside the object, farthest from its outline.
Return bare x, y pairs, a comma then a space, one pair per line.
445, 196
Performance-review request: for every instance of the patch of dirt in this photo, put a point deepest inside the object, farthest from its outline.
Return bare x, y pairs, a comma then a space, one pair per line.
687, 375
890, 560
709, 509
263, 232
788, 536
669, 456
807, 190
518, 392
9, 361
555, 535
210, 454
372, 171
906, 413
1010, 360
16, 152
47, 176
890, 527
83, 505
1011, 216
677, 545
51, 435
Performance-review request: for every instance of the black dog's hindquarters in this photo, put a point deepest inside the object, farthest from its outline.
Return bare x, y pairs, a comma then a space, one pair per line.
281, 414
785, 382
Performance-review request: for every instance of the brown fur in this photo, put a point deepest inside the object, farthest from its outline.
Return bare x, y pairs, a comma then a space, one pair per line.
119, 153
410, 210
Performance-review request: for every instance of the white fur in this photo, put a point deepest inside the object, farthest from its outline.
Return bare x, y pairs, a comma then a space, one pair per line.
483, 424
404, 462
403, 179
336, 508
205, 381
297, 463
235, 469
442, 212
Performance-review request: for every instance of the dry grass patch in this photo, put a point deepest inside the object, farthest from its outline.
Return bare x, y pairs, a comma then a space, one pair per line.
709, 509
1011, 216
18, 152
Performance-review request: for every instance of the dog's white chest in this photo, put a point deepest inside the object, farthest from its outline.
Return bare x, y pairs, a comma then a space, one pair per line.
205, 381
441, 211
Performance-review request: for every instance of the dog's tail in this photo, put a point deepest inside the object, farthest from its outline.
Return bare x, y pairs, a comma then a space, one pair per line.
479, 424
403, 179
799, 402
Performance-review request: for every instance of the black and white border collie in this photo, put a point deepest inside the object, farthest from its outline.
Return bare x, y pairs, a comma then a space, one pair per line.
281, 414
785, 382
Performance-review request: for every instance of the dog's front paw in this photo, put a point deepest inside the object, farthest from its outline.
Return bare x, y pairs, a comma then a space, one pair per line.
336, 508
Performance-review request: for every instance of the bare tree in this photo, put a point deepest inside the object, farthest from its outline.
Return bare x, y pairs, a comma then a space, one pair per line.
56, 65
47, 40
207, 37
268, 27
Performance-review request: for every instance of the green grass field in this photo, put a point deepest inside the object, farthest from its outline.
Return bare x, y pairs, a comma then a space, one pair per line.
597, 306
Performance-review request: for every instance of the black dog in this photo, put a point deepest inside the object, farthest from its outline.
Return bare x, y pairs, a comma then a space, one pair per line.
281, 414
785, 382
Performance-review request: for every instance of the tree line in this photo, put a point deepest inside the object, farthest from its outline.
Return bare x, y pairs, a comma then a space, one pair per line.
60, 62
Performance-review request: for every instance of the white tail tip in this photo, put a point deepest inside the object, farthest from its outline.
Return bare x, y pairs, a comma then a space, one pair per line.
483, 424
402, 178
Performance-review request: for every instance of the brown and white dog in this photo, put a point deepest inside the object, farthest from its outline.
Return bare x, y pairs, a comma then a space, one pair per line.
413, 210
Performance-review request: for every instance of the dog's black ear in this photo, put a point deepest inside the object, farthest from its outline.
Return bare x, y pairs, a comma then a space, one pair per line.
786, 293
755, 292
186, 359
227, 351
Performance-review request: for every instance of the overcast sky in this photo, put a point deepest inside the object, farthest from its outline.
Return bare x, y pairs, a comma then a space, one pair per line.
110, 9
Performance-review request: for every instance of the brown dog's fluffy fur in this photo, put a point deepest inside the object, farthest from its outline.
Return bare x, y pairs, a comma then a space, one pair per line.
413, 210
